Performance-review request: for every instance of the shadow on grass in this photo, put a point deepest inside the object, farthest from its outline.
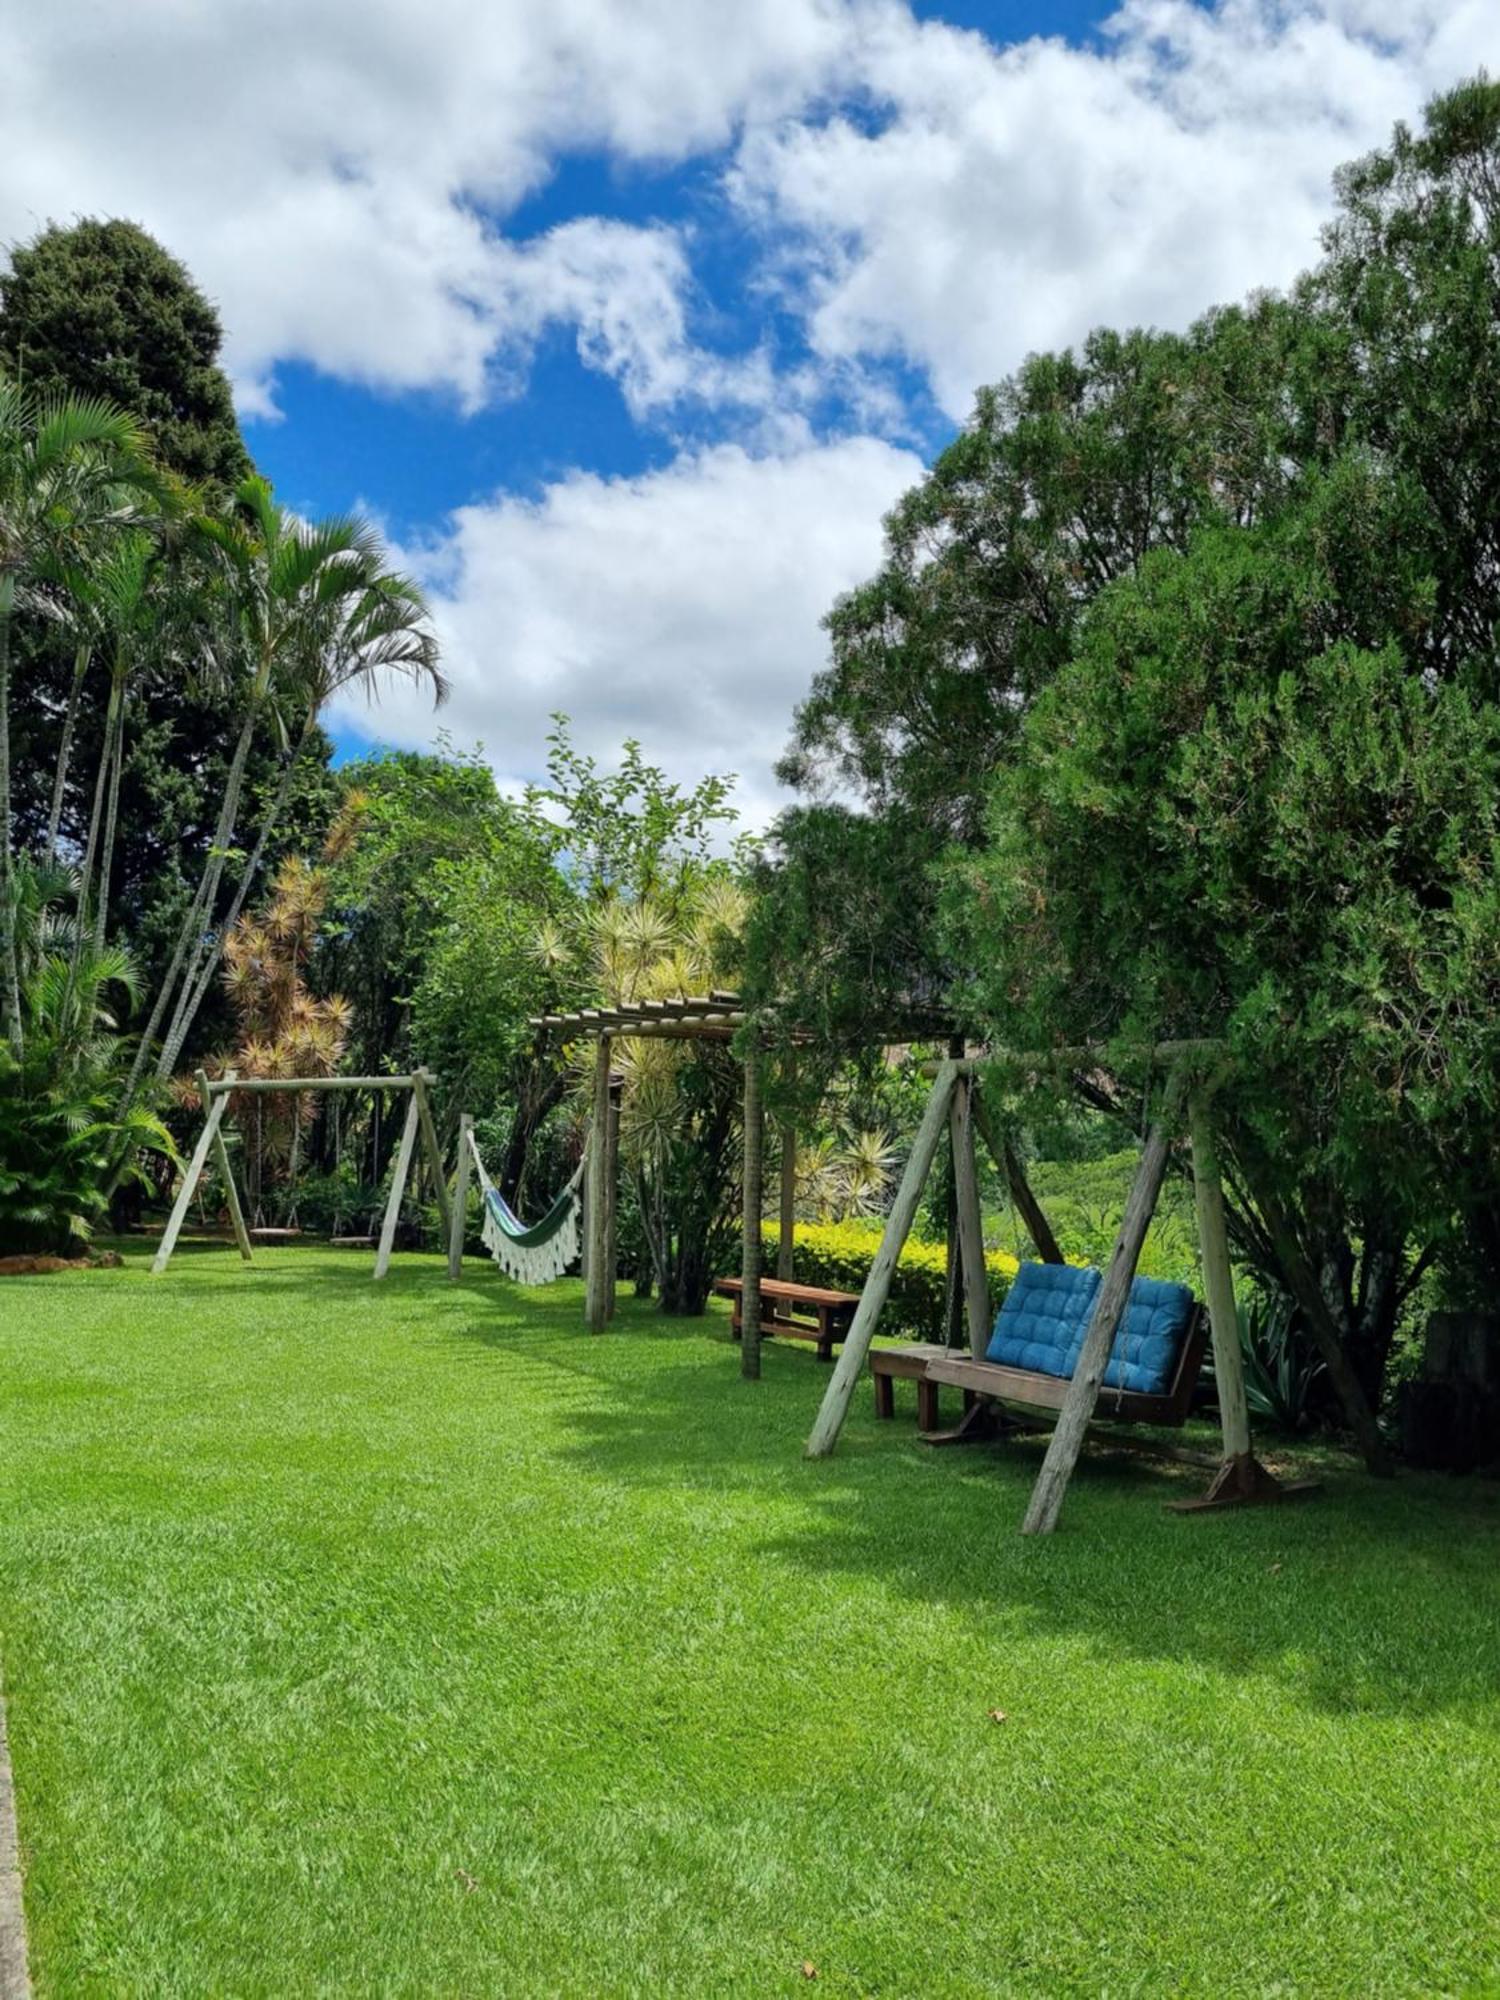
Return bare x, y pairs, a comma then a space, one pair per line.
1375, 1597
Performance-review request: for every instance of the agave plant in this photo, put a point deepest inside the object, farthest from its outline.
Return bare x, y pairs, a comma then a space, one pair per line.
1282, 1373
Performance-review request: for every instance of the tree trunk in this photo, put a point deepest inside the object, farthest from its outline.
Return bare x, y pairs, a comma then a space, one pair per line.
111, 819
96, 825
530, 1112
10, 947
195, 991
65, 748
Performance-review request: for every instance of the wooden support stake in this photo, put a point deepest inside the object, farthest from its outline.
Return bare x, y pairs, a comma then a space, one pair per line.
458, 1217
190, 1181
1218, 1279
851, 1361
612, 1203
596, 1308
786, 1239
1083, 1391
1008, 1160
398, 1186
976, 1278
752, 1181
437, 1172
221, 1154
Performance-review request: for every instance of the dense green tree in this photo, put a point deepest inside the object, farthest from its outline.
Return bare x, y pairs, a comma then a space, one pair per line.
100, 309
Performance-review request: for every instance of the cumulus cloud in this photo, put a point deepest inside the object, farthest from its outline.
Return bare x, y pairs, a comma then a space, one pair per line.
681, 607
989, 202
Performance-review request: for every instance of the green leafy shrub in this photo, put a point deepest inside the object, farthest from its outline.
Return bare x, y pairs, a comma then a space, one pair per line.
839, 1255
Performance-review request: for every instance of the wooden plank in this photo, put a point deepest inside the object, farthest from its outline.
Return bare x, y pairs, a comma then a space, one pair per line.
1083, 1391
398, 1186
976, 1280
459, 1213
437, 1171
752, 1182
835, 1406
794, 1294
221, 1154
260, 1086
190, 1181
1218, 1279
596, 1307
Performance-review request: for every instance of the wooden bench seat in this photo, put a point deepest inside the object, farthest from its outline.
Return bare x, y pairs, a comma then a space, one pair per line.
909, 1363
1048, 1392
797, 1312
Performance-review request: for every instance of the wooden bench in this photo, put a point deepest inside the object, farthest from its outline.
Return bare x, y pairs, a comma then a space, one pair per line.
908, 1364
1048, 1392
796, 1312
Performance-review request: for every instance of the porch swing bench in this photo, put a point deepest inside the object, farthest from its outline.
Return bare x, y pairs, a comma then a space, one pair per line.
1150, 1378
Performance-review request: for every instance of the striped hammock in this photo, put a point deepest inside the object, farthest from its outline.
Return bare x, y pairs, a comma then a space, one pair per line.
540, 1253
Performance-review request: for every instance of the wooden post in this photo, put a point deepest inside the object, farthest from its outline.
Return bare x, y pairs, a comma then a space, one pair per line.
398, 1185
596, 1308
976, 1281
190, 1180
836, 1399
752, 1181
1218, 1280
1083, 1391
438, 1173
786, 1239
612, 1201
458, 1216
221, 1154
1006, 1158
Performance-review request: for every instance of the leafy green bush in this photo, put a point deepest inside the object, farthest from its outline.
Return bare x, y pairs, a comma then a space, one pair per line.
839, 1255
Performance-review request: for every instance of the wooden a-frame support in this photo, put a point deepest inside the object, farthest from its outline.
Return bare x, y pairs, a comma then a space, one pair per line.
419, 1123
956, 1100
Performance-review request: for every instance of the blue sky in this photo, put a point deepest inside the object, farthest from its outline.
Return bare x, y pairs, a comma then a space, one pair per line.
629, 319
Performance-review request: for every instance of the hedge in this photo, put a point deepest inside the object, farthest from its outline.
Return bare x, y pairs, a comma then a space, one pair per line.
839, 1255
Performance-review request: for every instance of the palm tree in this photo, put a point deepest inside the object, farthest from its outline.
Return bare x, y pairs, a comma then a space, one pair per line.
70, 468
296, 610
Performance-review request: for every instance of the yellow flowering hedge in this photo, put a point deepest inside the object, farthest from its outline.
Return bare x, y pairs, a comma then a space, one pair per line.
839, 1255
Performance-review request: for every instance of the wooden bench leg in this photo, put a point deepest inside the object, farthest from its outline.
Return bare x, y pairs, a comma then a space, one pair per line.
927, 1404
885, 1396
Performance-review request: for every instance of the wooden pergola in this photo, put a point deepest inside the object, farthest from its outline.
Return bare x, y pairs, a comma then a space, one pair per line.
721, 1016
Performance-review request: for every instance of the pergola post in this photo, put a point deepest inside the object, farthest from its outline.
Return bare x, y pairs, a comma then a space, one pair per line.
970, 1220
750, 1203
612, 1200
836, 1399
1083, 1391
600, 1286
458, 1218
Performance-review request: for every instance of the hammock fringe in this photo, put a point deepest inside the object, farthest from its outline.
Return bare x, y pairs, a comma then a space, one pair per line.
535, 1255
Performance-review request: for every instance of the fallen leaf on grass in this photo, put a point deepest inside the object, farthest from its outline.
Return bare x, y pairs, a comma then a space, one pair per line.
809, 1970
997, 1715
1276, 1569
470, 1885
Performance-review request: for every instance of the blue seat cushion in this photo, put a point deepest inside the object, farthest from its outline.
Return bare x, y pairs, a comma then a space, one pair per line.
1046, 1315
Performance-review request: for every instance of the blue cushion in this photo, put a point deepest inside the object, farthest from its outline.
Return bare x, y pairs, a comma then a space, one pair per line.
1046, 1315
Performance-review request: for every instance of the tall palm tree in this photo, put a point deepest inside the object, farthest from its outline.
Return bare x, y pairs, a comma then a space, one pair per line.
70, 468
296, 609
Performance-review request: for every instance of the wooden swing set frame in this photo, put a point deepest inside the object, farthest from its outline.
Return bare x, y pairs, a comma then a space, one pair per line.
215, 1094
1193, 1073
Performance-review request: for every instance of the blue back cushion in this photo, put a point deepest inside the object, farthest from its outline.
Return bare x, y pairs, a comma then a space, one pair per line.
1046, 1314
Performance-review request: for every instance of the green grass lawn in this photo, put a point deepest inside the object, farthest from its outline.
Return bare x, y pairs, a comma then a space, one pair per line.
407, 1640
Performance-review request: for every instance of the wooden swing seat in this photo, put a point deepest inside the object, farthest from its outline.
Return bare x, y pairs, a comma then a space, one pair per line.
268, 1235
1035, 1391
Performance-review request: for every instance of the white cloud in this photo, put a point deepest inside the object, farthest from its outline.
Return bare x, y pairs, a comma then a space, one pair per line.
681, 607
992, 202
331, 170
